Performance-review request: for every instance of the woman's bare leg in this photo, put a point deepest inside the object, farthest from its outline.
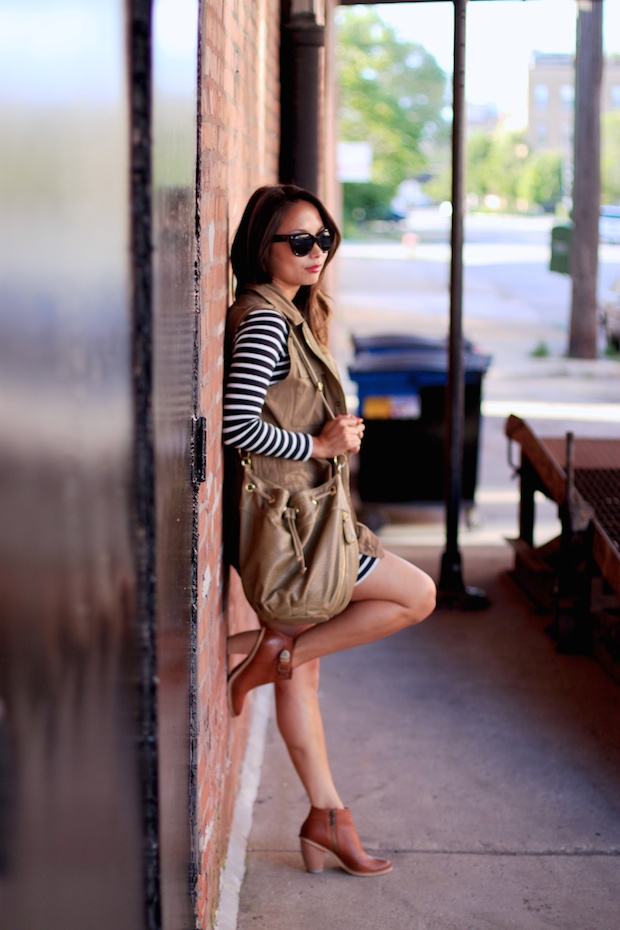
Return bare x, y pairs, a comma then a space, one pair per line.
301, 726
240, 644
395, 595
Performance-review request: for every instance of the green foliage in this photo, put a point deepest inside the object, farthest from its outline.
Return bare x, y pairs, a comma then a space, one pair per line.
439, 188
508, 155
392, 94
479, 149
495, 162
541, 181
610, 158
541, 350
500, 164
367, 201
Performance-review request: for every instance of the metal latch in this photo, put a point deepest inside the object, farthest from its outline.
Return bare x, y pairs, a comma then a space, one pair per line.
199, 450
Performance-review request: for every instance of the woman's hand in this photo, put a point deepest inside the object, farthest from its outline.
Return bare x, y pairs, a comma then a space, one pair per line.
342, 434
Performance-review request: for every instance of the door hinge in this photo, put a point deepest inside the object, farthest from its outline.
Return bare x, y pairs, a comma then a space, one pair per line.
199, 450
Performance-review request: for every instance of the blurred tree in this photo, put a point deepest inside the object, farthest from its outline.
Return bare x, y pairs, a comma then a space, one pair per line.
495, 163
506, 160
392, 94
366, 201
610, 160
439, 188
499, 165
541, 180
479, 148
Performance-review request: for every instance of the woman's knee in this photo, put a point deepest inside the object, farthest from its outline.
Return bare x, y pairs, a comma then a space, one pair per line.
304, 682
409, 591
418, 602
418, 598
425, 600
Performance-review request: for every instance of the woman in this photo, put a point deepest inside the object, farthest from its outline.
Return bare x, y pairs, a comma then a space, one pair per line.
284, 242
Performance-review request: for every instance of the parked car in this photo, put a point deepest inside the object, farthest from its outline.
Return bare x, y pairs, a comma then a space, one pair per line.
611, 316
609, 224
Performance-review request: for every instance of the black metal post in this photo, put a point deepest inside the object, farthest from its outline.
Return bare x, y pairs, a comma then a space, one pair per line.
452, 590
141, 64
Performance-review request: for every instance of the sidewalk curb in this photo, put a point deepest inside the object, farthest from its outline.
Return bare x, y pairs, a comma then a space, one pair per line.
233, 872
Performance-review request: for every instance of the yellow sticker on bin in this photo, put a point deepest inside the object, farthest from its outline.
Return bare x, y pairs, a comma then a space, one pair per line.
391, 408
377, 408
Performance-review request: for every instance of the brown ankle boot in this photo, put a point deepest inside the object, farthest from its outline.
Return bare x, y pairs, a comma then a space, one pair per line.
333, 831
269, 660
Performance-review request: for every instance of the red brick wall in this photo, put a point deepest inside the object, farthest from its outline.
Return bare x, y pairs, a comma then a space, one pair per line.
239, 141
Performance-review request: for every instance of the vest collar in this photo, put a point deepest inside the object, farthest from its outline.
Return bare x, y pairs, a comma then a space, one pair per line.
270, 296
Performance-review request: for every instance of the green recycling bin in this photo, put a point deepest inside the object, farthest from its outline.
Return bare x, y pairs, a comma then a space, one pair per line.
561, 249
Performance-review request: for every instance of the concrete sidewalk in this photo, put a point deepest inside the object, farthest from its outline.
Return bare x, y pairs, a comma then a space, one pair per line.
484, 763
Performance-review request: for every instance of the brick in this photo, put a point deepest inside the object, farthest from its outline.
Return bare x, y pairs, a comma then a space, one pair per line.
230, 171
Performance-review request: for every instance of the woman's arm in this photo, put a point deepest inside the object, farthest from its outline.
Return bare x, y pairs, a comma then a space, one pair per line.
260, 358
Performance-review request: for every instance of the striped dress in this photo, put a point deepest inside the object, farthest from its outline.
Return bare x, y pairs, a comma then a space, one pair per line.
260, 359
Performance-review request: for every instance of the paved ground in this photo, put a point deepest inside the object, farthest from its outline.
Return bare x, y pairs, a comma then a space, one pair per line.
473, 754
485, 764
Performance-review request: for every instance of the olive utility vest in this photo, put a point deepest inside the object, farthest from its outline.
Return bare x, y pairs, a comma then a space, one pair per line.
292, 404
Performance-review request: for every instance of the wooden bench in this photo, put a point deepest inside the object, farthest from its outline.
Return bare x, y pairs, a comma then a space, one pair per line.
582, 476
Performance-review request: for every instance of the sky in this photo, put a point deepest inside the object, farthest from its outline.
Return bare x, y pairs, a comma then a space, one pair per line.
501, 36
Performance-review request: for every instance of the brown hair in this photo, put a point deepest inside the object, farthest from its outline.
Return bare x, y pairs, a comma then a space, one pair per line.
250, 249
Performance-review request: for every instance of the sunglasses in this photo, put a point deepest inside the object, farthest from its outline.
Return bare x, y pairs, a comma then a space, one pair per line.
303, 243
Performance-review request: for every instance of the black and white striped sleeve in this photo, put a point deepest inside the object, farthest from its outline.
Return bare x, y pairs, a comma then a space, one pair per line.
259, 358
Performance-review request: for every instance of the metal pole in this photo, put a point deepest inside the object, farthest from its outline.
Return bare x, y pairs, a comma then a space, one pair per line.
451, 580
451, 587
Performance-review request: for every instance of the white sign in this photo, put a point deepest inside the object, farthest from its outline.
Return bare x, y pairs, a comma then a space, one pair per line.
353, 161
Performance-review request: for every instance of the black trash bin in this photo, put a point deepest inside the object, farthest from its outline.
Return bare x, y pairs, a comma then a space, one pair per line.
401, 383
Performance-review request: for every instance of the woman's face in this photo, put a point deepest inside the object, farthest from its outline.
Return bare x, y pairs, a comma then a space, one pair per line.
289, 272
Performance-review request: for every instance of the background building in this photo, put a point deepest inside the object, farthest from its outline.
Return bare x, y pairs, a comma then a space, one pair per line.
551, 100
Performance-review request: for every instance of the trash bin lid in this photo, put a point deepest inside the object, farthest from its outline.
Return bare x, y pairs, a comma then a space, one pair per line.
400, 342
416, 361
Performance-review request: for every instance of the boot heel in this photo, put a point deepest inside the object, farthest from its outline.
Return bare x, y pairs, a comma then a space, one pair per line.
312, 856
333, 832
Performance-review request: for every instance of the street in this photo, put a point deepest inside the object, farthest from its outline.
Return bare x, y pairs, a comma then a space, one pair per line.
512, 303
515, 310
